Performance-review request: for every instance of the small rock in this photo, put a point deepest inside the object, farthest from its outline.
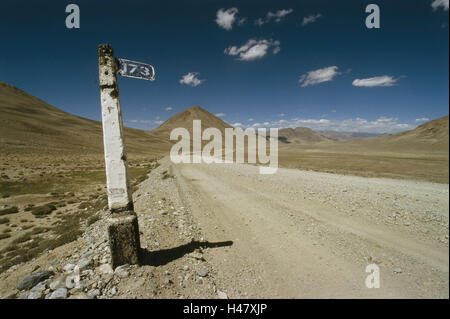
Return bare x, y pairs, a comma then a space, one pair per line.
85, 263
80, 295
93, 293
203, 272
35, 295
57, 283
105, 269
122, 272
398, 270
69, 267
60, 293
196, 255
107, 278
39, 287
222, 295
32, 280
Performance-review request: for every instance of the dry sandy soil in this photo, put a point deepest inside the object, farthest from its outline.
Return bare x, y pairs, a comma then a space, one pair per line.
300, 234
294, 234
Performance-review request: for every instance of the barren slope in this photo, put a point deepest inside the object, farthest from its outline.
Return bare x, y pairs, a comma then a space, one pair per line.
29, 125
301, 135
184, 119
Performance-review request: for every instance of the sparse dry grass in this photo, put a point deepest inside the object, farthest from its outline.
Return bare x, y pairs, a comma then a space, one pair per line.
9, 210
43, 210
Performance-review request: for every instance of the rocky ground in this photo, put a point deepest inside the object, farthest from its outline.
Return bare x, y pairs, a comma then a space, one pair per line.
224, 231
174, 264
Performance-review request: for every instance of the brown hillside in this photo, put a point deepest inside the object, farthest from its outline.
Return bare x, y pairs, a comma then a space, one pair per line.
185, 120
30, 125
429, 137
300, 135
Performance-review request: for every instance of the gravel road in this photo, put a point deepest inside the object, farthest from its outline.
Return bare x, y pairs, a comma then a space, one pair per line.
304, 234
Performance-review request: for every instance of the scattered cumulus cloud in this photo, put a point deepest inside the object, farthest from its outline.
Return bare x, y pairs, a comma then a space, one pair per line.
422, 119
280, 14
275, 16
311, 19
259, 21
251, 119
226, 18
380, 125
238, 124
436, 4
220, 114
318, 76
253, 49
384, 80
191, 79
169, 108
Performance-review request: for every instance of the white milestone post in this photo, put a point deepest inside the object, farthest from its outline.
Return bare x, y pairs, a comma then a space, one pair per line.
119, 195
123, 230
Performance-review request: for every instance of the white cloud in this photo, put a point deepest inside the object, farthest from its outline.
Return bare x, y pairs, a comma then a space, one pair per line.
281, 114
276, 16
226, 18
276, 50
141, 121
251, 119
440, 3
253, 49
159, 122
310, 19
422, 119
191, 79
238, 124
220, 114
384, 80
260, 21
318, 76
169, 108
379, 126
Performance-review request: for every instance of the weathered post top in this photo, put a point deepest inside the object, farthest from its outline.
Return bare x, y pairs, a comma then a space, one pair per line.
119, 195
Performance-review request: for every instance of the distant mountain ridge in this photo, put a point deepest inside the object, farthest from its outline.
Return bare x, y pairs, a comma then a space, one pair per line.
343, 136
30, 124
301, 135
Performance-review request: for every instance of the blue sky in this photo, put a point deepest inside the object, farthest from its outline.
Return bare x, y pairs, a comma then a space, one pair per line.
257, 63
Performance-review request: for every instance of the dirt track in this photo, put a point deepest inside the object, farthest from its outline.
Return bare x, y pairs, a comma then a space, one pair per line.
301, 234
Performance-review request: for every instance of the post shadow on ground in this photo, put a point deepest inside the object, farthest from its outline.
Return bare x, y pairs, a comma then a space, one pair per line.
164, 256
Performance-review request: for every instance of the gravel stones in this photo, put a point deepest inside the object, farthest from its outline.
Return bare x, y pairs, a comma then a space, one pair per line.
32, 280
